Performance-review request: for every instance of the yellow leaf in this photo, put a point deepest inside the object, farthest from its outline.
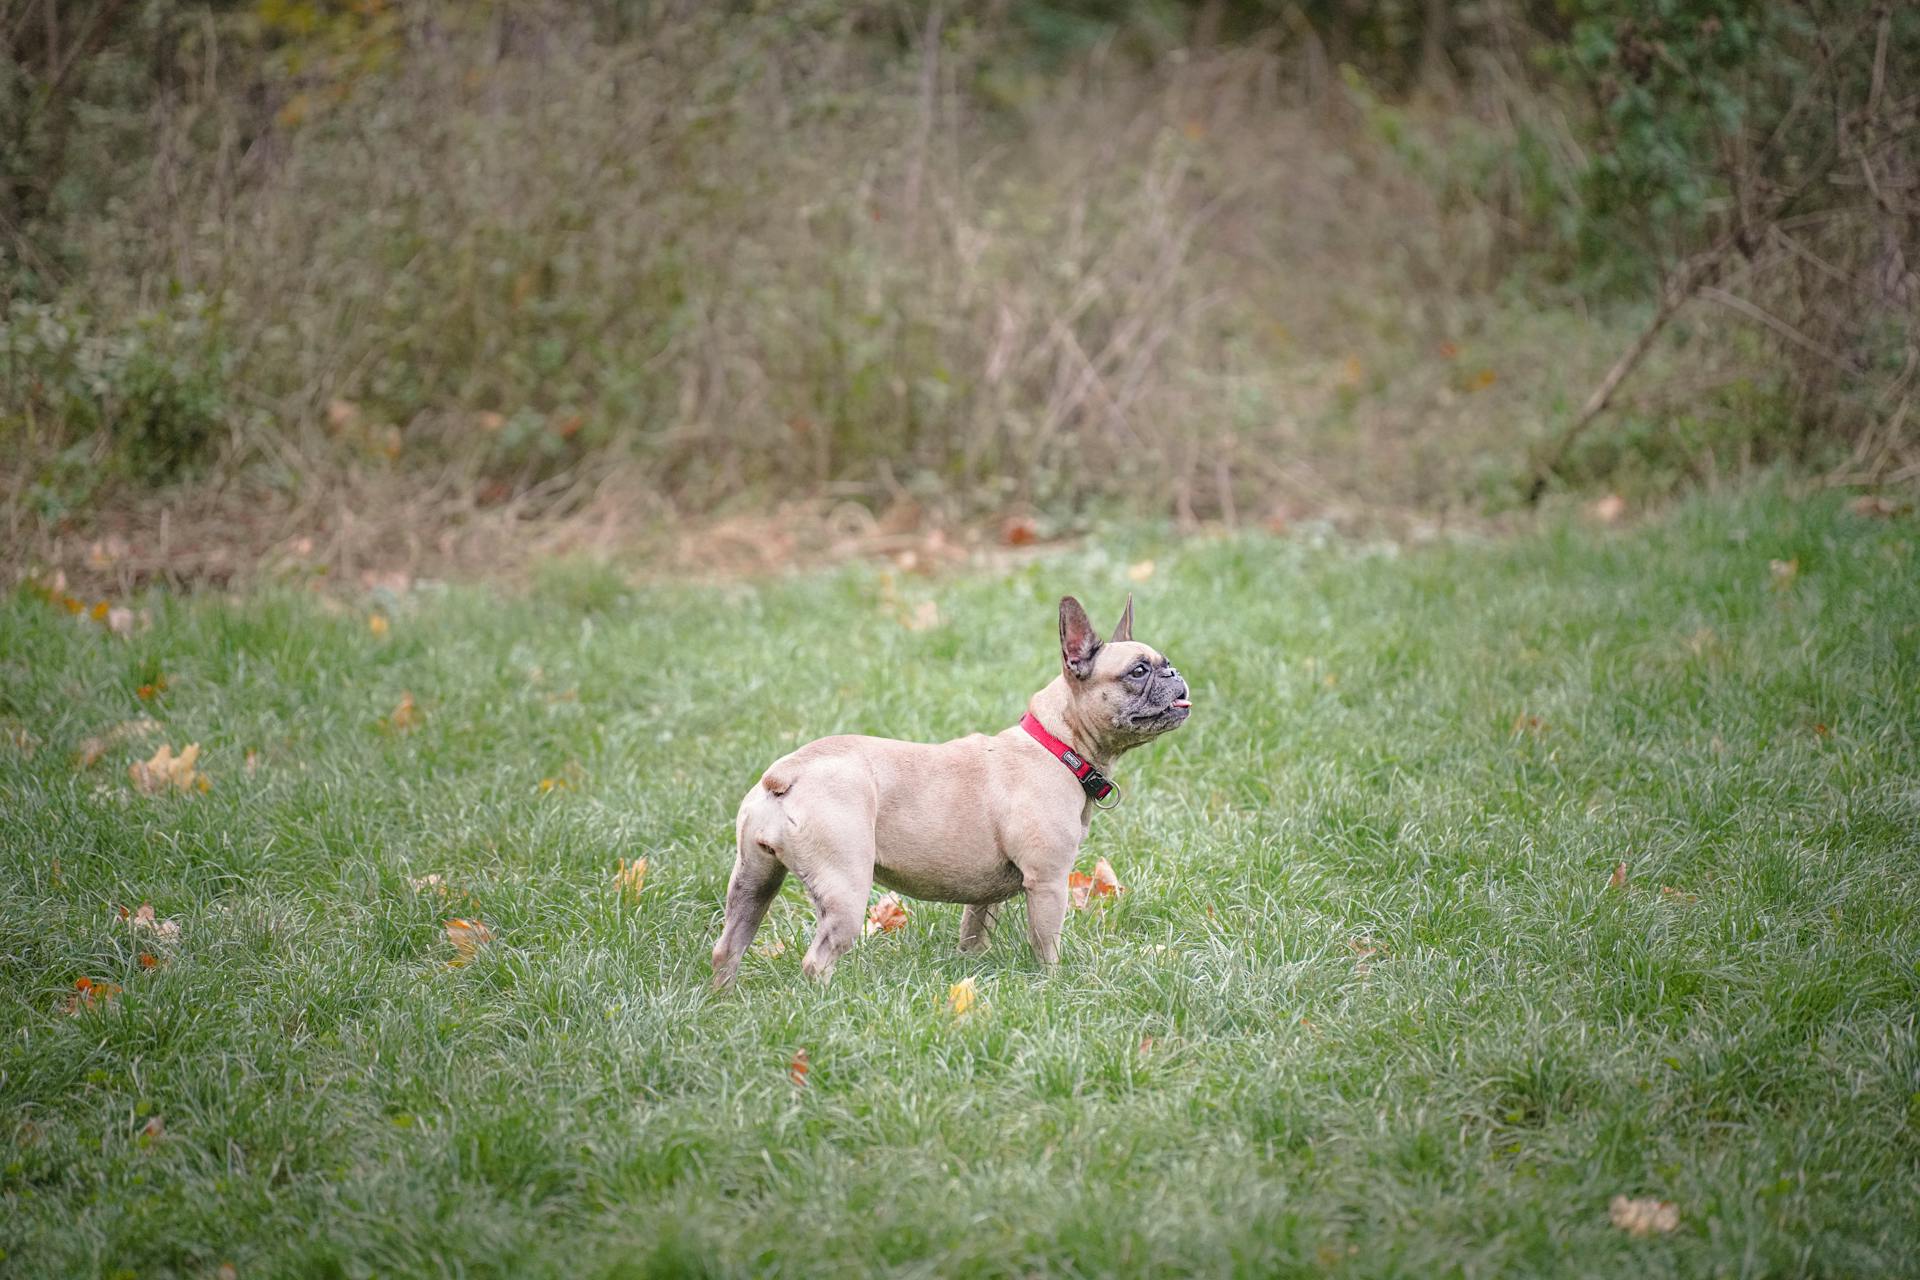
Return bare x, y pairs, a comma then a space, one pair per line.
467, 937
552, 784
378, 624
631, 878
1140, 571
1481, 380
962, 997
168, 772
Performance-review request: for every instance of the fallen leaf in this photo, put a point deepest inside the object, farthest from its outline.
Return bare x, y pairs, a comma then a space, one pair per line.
143, 920
1448, 350
120, 620
925, 617
1874, 506
1018, 531
1672, 894
1644, 1216
1147, 1043
467, 937
962, 998
342, 414
631, 878
1618, 880
148, 960
548, 785
1784, 572
1351, 371
1524, 723
226, 1271
1609, 509
1140, 571
1364, 947
378, 624
770, 949
432, 883
253, 761
798, 1068
405, 716
93, 748
148, 692
888, 915
1482, 379
168, 772
86, 993
153, 1128
23, 741
1101, 884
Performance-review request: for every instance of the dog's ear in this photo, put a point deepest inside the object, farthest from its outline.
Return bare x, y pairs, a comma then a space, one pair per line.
1078, 643
1125, 630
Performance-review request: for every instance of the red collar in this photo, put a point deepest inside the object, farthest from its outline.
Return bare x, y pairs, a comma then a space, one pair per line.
1092, 781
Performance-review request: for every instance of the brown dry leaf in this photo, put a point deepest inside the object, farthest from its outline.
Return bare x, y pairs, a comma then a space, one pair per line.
1784, 572
467, 937
1140, 571
93, 748
925, 616
86, 993
962, 998
153, 1128
889, 915
168, 772
770, 949
342, 414
1085, 889
1644, 1216
1874, 506
1672, 894
1618, 880
148, 692
798, 1068
226, 1271
631, 878
253, 761
142, 920
405, 716
1365, 948
432, 883
1609, 509
1351, 371
1524, 723
148, 960
1018, 531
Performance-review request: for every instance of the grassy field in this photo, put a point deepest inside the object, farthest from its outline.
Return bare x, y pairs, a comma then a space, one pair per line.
1370, 1005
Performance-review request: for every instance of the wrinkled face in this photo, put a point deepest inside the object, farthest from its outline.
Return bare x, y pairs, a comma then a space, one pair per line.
1127, 690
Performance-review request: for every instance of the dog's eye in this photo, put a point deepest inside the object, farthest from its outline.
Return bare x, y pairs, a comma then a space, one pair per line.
1139, 671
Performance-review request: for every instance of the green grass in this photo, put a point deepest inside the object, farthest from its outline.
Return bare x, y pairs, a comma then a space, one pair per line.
1527, 1042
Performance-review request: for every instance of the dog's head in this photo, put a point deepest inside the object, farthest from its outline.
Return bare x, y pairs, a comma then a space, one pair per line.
1125, 691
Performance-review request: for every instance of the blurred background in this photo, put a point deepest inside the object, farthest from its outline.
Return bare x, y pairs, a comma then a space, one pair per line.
364, 286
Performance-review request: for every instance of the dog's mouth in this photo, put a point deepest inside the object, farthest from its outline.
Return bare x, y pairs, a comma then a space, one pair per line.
1172, 714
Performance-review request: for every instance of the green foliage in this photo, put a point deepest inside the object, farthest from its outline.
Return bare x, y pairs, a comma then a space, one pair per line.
150, 398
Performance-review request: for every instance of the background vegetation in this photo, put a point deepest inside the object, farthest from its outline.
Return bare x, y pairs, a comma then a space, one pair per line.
1214, 260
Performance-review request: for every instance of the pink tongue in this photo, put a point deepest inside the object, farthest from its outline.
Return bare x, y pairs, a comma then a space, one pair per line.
1181, 702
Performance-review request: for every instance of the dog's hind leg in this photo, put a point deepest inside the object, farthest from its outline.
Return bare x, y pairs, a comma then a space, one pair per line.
976, 923
833, 856
757, 876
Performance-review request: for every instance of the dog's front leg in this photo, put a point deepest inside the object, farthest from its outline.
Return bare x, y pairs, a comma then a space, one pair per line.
1046, 912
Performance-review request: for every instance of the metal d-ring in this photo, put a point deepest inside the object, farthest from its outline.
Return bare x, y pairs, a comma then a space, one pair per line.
1118, 795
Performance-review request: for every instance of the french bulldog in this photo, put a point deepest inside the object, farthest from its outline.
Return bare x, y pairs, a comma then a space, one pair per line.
974, 821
